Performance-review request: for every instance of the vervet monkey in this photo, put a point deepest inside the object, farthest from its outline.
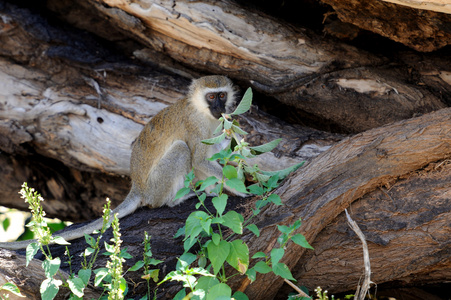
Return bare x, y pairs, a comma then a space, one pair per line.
168, 148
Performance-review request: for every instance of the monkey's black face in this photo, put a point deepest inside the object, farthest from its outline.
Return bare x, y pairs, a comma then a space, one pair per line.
216, 102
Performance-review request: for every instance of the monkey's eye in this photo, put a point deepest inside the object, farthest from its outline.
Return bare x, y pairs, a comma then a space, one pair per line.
211, 96
222, 95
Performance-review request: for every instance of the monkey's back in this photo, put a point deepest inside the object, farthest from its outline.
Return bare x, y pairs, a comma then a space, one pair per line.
180, 121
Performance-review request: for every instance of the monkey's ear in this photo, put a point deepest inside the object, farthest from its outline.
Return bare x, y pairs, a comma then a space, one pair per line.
245, 103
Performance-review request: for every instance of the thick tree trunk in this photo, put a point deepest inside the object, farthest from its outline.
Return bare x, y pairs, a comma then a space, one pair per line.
348, 171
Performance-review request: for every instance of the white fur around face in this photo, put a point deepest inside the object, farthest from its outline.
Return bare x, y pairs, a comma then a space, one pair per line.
199, 102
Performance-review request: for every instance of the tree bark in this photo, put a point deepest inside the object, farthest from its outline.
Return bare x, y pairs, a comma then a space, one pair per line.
351, 169
420, 29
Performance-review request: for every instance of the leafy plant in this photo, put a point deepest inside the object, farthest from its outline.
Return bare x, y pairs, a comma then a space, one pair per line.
147, 262
110, 277
11, 288
210, 229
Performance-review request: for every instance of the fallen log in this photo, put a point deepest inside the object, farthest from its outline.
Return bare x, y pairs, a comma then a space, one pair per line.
361, 167
356, 166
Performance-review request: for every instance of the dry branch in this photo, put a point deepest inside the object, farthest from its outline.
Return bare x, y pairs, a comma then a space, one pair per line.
362, 288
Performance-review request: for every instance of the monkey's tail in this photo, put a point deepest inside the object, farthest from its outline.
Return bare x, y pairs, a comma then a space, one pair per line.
128, 206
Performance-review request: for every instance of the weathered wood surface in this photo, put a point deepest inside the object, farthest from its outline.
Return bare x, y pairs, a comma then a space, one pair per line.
402, 222
435, 5
321, 77
349, 170
422, 28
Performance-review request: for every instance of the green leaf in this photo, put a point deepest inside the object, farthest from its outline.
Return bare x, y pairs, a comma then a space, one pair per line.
215, 238
219, 291
266, 147
259, 255
208, 182
227, 124
122, 285
256, 189
101, 273
219, 220
109, 248
284, 229
6, 222
90, 240
251, 274
193, 224
234, 221
206, 282
154, 274
12, 288
51, 266
206, 225
220, 203
180, 232
77, 286
301, 241
31, 251
215, 140
180, 295
245, 103
272, 182
254, 229
138, 265
237, 185
202, 262
283, 173
154, 261
49, 288
262, 267
225, 153
189, 178
84, 275
239, 130
282, 270
261, 177
185, 260
274, 198
60, 240
238, 256
182, 192
296, 224
239, 296
218, 254
189, 243
230, 172
220, 126
89, 251
276, 255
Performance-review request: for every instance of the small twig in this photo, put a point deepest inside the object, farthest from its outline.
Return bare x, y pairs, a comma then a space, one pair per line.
297, 289
361, 290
